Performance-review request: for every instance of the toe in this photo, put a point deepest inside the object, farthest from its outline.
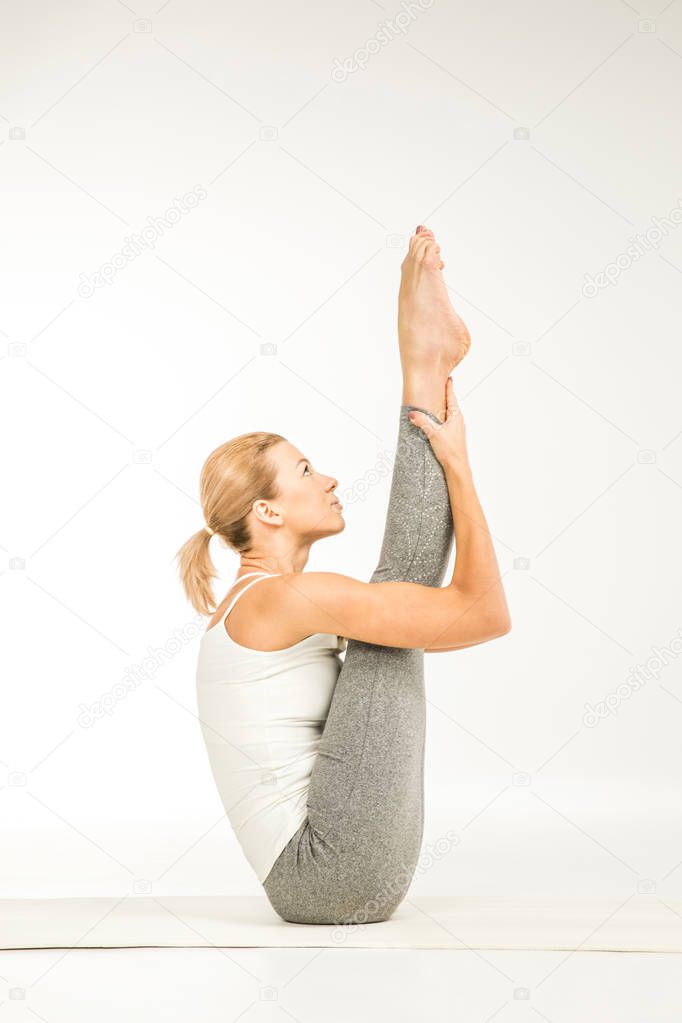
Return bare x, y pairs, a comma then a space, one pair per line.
431, 255
419, 243
421, 234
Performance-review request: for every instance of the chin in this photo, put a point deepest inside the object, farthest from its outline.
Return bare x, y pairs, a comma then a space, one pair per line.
341, 523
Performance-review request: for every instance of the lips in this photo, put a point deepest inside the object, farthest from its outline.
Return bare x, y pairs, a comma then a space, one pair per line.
337, 504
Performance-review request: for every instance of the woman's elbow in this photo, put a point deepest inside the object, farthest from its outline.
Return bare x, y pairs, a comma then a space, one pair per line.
498, 627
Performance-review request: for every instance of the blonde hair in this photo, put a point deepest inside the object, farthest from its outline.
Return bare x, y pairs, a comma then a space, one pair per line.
233, 477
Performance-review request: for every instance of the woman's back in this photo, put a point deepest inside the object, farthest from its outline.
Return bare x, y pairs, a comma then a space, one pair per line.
262, 713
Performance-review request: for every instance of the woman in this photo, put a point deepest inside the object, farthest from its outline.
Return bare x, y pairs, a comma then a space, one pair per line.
319, 762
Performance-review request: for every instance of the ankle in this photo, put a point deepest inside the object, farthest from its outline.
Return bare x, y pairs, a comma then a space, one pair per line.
426, 391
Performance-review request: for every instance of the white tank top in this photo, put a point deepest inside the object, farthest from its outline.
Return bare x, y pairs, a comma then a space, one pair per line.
262, 713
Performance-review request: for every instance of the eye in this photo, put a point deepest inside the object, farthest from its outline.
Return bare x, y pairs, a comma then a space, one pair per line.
306, 466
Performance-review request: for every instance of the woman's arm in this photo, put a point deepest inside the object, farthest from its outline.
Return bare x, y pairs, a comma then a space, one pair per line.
476, 574
476, 570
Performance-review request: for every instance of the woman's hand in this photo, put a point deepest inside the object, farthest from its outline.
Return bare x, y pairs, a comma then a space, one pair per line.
448, 439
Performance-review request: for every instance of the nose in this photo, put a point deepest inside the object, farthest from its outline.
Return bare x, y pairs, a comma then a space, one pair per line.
333, 484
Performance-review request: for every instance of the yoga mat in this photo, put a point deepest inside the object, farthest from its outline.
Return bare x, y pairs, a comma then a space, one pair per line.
642, 923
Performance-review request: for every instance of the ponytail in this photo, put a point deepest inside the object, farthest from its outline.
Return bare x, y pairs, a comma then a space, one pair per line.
233, 477
197, 572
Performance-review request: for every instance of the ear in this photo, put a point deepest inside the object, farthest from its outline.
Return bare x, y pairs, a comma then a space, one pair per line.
266, 513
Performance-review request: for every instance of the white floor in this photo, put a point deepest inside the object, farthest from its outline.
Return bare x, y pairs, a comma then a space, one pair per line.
312, 985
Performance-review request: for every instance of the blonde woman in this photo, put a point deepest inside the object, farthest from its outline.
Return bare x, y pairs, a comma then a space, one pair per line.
319, 760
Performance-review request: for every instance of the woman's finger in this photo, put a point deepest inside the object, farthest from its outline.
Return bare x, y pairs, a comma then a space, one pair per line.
425, 423
451, 403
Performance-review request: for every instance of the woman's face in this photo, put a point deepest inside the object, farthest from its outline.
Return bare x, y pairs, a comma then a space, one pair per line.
307, 501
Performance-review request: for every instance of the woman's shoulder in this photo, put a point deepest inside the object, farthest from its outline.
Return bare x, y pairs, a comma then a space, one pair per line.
260, 618
290, 606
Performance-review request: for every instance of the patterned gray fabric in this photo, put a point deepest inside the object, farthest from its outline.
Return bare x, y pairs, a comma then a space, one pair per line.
353, 858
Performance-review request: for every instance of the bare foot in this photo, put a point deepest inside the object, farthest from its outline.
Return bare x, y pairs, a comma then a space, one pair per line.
429, 330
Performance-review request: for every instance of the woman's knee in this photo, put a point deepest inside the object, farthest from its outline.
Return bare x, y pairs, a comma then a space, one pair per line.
335, 906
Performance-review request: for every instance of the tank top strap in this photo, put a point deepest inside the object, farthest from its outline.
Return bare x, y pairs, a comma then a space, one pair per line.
261, 575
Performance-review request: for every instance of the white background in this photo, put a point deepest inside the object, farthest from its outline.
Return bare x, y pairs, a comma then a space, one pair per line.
112, 402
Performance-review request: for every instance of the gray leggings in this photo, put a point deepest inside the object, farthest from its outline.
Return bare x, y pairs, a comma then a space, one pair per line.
353, 858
